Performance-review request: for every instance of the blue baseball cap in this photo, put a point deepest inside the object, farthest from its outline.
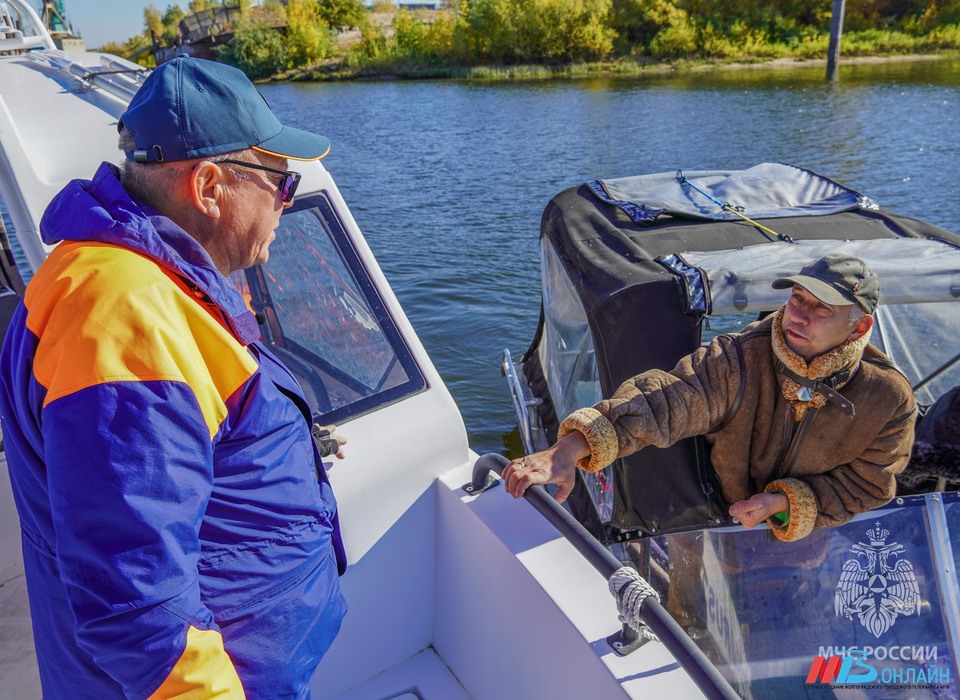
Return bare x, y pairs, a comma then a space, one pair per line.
192, 108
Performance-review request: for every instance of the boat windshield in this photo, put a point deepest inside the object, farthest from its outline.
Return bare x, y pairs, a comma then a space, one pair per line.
911, 270
881, 592
567, 354
322, 314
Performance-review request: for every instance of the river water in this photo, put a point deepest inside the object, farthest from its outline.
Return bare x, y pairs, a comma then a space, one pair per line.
448, 179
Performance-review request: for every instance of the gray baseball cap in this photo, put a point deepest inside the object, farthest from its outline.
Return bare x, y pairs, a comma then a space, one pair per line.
838, 280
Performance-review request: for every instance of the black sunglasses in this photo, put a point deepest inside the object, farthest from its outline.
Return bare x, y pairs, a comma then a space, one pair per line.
289, 181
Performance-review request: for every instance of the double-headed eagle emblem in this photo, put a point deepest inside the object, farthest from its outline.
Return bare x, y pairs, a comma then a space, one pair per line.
878, 585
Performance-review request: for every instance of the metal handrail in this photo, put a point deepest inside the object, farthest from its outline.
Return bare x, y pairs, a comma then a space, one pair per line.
526, 406
41, 39
689, 656
519, 405
937, 372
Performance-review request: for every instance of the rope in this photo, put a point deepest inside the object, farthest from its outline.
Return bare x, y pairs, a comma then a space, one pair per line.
630, 590
726, 206
95, 73
769, 231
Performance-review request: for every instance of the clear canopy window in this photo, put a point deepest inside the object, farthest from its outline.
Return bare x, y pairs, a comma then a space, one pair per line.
919, 285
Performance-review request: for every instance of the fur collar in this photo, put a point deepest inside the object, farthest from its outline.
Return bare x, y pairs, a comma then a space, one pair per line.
842, 357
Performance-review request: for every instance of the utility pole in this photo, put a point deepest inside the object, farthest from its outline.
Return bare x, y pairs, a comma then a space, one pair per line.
836, 30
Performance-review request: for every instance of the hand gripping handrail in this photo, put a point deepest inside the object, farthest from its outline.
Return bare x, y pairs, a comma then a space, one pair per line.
687, 654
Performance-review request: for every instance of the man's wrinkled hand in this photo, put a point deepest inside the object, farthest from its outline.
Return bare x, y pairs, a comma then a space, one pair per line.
758, 508
556, 465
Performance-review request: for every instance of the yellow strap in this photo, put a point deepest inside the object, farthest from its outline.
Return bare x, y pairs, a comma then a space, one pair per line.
770, 232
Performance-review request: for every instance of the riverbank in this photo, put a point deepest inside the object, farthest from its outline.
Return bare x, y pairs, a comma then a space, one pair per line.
337, 70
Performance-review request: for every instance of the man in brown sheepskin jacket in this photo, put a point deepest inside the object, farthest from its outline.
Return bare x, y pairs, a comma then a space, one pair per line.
809, 424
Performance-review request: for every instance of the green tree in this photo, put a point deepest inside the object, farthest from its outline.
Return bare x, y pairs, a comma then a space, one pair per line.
492, 29
153, 22
512, 31
436, 42
170, 23
373, 51
135, 48
662, 28
309, 38
257, 49
196, 6
343, 13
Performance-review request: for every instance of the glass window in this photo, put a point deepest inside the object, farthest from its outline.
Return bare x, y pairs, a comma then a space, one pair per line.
569, 363
952, 508
932, 365
15, 260
567, 353
323, 316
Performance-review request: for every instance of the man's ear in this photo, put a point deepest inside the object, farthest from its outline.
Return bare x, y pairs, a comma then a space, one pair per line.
207, 185
863, 326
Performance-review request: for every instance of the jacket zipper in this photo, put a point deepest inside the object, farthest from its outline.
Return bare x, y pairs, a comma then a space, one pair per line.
788, 455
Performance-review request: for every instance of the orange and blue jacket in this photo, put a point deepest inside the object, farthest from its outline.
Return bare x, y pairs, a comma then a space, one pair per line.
179, 532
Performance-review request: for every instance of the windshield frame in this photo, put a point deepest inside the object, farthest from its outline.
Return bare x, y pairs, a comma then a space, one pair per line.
305, 363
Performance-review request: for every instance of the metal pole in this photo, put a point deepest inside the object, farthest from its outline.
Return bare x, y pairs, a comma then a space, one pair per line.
688, 654
937, 372
836, 31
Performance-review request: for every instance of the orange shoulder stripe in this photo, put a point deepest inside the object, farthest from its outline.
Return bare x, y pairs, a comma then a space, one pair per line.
103, 314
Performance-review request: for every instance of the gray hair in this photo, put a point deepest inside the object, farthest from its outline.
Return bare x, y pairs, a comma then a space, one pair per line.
856, 313
153, 182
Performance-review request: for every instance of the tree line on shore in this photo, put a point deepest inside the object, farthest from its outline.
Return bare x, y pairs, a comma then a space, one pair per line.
305, 37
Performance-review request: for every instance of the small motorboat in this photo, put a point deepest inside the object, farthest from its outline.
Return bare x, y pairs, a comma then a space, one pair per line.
638, 272
455, 590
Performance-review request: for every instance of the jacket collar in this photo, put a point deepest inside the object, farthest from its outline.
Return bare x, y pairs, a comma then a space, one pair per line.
814, 384
102, 210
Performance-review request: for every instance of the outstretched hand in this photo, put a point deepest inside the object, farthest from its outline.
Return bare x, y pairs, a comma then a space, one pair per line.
556, 465
758, 508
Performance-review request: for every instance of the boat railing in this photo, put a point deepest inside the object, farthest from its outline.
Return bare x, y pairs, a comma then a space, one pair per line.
526, 406
637, 601
20, 34
22, 31
117, 78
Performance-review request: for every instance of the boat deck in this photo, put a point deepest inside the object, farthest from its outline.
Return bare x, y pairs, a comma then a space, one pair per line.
424, 676
18, 662
520, 553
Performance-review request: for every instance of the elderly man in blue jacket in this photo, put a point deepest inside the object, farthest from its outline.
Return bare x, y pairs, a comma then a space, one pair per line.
180, 535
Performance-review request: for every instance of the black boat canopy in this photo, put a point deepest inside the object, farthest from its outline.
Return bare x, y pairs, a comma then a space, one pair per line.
633, 269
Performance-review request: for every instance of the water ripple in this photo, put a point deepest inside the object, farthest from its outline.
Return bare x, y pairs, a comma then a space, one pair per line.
448, 180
